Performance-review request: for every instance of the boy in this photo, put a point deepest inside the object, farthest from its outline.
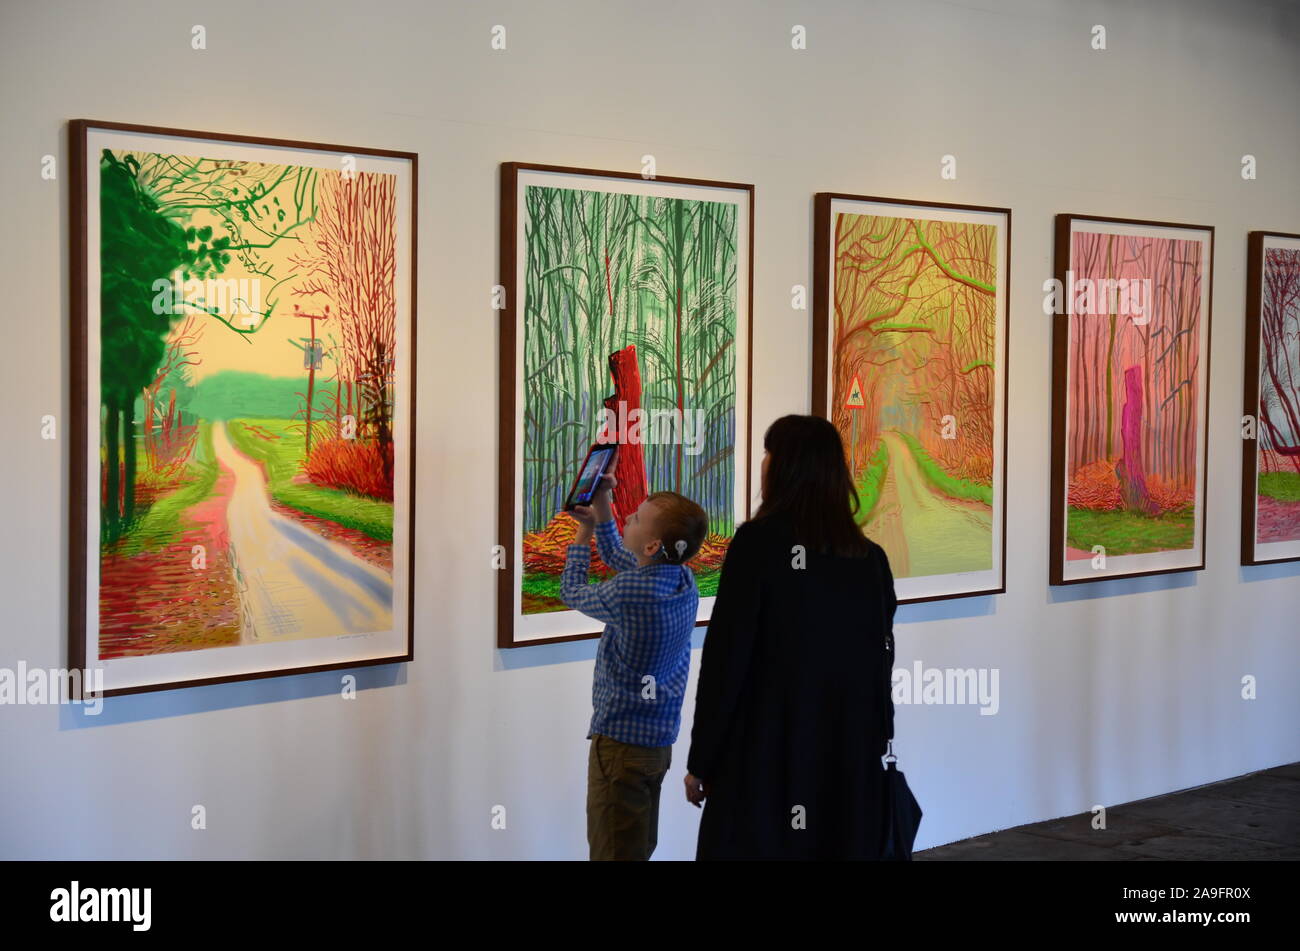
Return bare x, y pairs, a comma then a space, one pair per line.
644, 655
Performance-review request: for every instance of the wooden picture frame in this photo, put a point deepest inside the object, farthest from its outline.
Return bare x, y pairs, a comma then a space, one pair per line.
719, 216
1270, 530
1118, 515
899, 415
279, 571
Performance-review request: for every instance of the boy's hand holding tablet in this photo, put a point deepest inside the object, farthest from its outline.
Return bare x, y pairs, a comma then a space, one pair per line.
599, 510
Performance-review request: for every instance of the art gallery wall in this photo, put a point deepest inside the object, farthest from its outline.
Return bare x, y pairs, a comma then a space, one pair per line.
1105, 693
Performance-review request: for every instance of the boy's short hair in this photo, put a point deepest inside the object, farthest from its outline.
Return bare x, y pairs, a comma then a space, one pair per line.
678, 519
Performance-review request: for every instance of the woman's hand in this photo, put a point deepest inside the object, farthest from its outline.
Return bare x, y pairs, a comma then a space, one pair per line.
695, 790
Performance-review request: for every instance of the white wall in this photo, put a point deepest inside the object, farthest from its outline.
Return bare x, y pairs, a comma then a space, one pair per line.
1109, 692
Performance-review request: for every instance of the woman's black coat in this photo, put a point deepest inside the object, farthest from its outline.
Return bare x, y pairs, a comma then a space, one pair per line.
792, 709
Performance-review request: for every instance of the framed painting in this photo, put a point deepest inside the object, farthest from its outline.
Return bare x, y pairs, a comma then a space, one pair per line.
626, 319
1270, 462
910, 364
1130, 397
243, 352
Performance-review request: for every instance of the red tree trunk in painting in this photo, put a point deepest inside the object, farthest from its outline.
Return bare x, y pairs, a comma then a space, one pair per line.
630, 469
1129, 469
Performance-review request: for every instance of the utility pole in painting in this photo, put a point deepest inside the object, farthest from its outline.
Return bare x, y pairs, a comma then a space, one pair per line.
854, 403
312, 355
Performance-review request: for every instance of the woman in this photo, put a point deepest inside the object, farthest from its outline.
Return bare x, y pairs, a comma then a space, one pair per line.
792, 709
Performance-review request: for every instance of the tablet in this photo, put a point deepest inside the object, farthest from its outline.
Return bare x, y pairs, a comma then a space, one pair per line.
600, 460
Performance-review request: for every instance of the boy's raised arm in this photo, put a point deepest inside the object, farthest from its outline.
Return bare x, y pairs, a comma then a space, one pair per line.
598, 601
608, 543
611, 548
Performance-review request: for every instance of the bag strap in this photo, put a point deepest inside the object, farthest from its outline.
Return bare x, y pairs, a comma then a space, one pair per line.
886, 702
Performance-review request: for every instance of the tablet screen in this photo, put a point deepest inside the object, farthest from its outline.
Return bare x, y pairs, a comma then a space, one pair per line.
591, 472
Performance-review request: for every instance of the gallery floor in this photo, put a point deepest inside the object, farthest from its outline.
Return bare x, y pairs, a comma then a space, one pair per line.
1253, 817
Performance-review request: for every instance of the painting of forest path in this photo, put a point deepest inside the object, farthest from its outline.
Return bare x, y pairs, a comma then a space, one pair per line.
927, 531
913, 377
246, 389
629, 334
1134, 394
1277, 516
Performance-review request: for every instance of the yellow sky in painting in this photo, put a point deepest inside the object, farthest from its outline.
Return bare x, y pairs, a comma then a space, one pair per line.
267, 350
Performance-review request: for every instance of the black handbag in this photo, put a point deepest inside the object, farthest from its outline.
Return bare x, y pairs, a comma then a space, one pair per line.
901, 810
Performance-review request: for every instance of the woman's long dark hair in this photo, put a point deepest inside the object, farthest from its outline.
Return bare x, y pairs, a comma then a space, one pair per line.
808, 480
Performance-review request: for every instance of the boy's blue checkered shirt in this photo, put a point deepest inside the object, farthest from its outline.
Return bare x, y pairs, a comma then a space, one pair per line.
649, 613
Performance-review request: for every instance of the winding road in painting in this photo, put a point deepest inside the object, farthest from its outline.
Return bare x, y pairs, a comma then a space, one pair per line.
925, 531
292, 582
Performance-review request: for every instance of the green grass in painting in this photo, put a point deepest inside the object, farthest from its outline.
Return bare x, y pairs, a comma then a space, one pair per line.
236, 394
162, 523
948, 485
1129, 533
281, 459
707, 582
541, 584
1283, 486
872, 482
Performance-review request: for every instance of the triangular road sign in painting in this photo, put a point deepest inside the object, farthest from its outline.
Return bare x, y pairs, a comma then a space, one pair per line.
855, 400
